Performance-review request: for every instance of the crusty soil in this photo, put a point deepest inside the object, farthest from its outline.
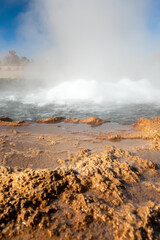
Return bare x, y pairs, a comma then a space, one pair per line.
67, 181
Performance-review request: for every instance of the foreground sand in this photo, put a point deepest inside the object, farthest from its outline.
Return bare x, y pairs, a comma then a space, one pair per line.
75, 181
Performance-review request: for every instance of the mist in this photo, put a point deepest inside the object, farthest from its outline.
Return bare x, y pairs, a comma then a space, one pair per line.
94, 50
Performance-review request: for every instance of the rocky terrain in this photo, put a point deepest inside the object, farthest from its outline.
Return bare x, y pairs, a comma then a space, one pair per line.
93, 121
75, 181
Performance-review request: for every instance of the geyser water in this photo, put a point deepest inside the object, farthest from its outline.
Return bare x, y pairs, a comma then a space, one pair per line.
90, 57
81, 99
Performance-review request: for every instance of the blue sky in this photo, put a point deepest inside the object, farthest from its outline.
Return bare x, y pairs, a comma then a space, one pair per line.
154, 16
10, 11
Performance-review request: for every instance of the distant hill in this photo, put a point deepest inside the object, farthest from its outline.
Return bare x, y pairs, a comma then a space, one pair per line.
12, 59
12, 66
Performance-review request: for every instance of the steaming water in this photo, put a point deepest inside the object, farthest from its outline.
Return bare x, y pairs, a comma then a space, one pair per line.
121, 102
119, 114
99, 41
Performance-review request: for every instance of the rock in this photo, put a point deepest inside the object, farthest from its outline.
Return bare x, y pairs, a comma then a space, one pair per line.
72, 120
13, 123
115, 138
93, 121
5, 119
148, 125
51, 120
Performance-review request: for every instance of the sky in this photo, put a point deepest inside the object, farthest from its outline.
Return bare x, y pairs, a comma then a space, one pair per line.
10, 11
11, 22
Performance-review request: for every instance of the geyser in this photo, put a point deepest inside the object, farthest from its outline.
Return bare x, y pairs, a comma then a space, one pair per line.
100, 51
90, 39
102, 41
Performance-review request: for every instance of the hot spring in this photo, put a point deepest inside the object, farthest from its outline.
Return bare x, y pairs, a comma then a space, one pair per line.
90, 58
122, 102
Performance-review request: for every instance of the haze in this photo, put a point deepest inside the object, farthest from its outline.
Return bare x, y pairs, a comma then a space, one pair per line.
107, 49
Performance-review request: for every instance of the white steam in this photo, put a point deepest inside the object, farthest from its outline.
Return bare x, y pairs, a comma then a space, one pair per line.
101, 42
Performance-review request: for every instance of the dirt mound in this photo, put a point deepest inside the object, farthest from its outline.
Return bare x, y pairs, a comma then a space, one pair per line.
94, 121
148, 125
85, 199
51, 120
72, 120
5, 121
115, 138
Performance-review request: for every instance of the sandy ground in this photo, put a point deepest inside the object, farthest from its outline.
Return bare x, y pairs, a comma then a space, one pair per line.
74, 181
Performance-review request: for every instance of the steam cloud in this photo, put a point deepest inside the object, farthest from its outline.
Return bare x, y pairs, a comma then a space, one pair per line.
105, 48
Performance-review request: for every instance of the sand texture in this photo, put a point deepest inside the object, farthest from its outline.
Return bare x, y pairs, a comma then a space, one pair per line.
74, 181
